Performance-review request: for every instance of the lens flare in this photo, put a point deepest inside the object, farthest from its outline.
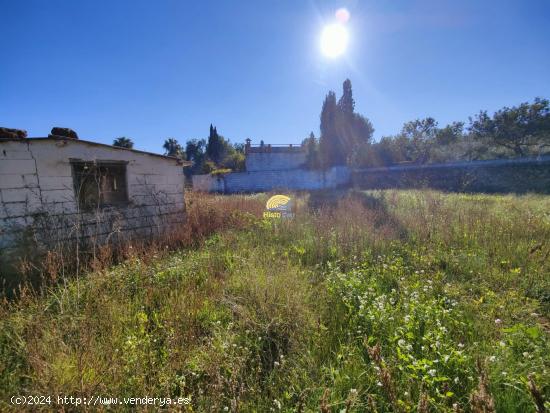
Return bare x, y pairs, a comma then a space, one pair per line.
342, 15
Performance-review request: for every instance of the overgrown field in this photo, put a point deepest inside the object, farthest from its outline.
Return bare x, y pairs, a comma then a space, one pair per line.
378, 301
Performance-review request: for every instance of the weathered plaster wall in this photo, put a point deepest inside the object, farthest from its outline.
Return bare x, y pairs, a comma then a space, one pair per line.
258, 181
37, 193
274, 161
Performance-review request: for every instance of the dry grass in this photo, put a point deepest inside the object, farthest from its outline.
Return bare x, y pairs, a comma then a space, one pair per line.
206, 214
364, 302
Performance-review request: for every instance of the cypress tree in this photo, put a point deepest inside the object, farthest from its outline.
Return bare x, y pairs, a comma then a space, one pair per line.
330, 147
214, 147
346, 104
343, 131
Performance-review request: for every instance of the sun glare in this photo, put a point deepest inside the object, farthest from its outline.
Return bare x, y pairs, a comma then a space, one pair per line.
334, 40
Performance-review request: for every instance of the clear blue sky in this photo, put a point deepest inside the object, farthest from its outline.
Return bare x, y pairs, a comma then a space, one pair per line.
168, 68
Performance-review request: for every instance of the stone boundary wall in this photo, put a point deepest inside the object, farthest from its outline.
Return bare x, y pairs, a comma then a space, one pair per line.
494, 176
260, 181
208, 183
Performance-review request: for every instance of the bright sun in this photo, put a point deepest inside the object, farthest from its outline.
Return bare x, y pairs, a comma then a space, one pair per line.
334, 40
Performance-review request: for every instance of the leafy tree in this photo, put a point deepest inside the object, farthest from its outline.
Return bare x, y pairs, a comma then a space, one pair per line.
417, 142
420, 135
235, 161
216, 153
123, 142
195, 150
354, 129
363, 129
172, 147
235, 157
207, 167
450, 134
239, 147
518, 131
523, 129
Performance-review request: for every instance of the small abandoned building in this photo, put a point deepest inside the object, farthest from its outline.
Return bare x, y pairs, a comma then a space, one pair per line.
61, 188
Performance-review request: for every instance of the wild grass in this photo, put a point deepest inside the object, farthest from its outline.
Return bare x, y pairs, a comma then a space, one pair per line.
377, 301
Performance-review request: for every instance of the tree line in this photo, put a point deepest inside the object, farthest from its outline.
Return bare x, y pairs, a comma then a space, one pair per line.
207, 155
346, 136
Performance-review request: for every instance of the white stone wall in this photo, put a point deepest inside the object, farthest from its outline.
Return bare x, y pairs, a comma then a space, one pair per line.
259, 181
208, 183
274, 161
37, 193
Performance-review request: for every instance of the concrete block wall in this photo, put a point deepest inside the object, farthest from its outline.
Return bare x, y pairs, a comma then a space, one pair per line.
37, 193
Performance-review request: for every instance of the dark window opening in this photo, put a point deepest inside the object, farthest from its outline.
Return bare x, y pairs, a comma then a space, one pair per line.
100, 184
